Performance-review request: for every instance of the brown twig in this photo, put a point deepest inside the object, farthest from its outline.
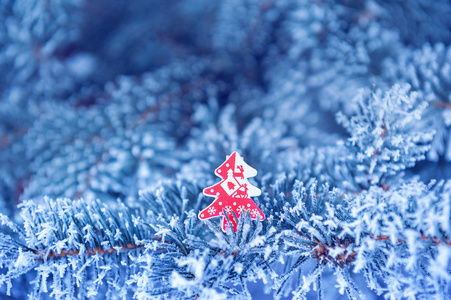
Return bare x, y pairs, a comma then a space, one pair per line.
73, 252
65, 253
434, 239
322, 251
442, 104
187, 88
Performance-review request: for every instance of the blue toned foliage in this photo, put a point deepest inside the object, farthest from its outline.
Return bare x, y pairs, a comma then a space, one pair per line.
63, 239
113, 118
413, 223
385, 136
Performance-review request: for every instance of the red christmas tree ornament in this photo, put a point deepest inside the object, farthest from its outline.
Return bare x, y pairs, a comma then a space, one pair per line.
233, 193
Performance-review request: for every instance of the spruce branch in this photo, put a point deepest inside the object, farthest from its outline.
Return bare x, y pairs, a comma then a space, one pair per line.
313, 225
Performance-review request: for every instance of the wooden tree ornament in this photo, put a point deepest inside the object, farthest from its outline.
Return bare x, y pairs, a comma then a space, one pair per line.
233, 193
